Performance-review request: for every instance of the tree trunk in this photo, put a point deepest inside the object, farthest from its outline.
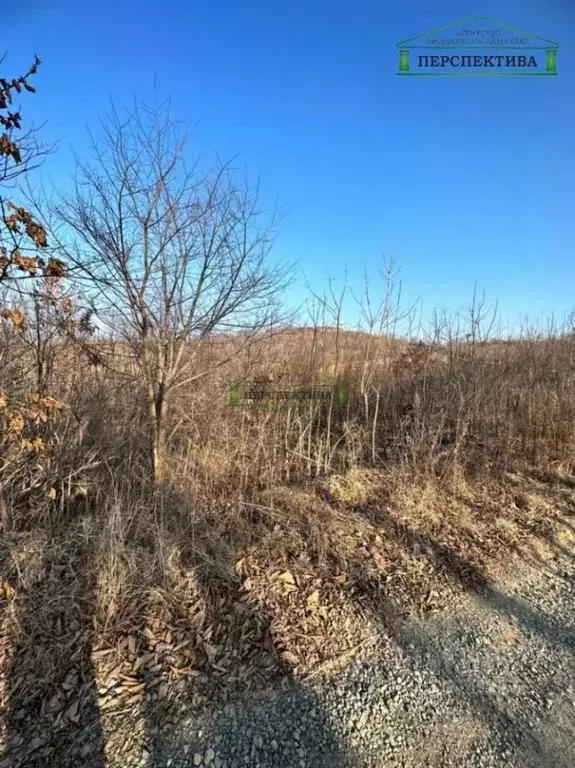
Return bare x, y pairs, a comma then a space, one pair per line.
4, 514
159, 455
158, 408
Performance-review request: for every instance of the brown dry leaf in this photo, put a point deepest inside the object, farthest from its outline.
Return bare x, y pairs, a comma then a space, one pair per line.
54, 267
181, 646
99, 652
341, 578
15, 315
73, 711
239, 566
108, 703
130, 682
70, 682
290, 658
187, 671
136, 699
313, 599
163, 648
211, 651
247, 585
16, 422
134, 687
3, 401
6, 591
55, 703
26, 263
287, 577
142, 660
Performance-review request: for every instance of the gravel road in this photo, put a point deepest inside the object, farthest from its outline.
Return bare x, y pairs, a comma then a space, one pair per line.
490, 684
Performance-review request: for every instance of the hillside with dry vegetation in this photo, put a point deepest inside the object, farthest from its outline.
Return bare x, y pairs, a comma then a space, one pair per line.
275, 527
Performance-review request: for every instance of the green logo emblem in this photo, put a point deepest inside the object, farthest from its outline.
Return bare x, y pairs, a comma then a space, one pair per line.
265, 393
477, 46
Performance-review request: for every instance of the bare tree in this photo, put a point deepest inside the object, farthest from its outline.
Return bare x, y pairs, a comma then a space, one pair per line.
172, 254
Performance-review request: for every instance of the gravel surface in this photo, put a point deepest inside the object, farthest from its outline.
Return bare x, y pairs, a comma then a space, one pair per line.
491, 684
488, 683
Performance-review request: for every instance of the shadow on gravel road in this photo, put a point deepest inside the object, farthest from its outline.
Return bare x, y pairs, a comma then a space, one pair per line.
511, 729
448, 657
244, 686
286, 728
532, 620
264, 717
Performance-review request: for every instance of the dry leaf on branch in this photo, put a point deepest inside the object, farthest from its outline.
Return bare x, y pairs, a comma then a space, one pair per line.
6, 591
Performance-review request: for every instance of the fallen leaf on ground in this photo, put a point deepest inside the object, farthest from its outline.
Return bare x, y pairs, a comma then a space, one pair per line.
313, 599
287, 577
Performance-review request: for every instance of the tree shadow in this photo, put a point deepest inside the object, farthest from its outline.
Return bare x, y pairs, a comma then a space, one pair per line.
440, 657
253, 629
50, 709
257, 685
532, 620
241, 682
472, 578
512, 730
282, 727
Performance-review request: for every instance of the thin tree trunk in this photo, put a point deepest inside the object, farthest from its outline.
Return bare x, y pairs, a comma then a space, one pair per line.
156, 418
4, 514
159, 452
157, 412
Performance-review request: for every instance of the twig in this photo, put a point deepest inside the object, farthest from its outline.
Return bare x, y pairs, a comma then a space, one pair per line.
330, 663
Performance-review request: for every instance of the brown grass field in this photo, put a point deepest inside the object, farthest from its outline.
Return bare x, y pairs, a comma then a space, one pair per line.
279, 532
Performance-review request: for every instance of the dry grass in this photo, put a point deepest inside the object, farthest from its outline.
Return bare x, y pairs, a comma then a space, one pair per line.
281, 533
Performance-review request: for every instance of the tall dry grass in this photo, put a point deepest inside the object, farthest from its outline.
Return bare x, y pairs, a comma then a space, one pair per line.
459, 410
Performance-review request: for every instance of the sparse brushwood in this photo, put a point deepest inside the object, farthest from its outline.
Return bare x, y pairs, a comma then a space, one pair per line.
264, 491
436, 413
38, 314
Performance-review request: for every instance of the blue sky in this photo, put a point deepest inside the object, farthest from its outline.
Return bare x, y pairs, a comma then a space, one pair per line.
458, 179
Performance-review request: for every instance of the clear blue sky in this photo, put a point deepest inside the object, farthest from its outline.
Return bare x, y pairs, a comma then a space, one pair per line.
459, 179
